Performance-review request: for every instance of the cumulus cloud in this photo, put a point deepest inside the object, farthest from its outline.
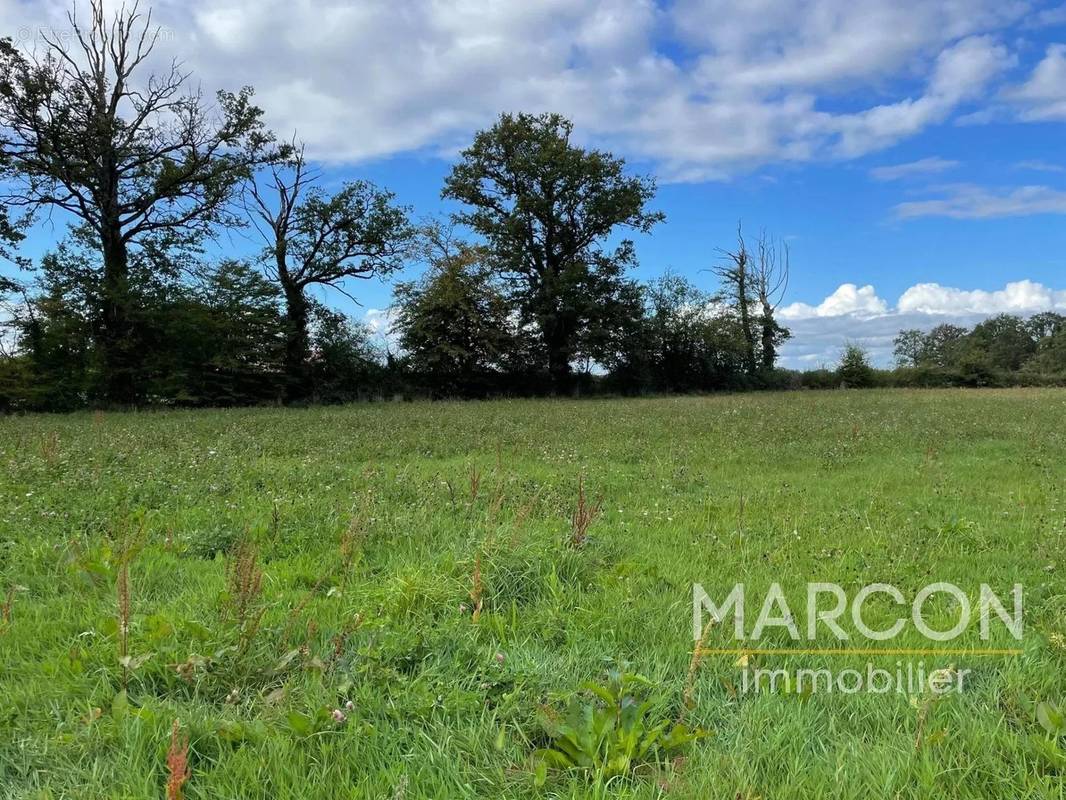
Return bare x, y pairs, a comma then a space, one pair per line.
847, 299
380, 324
701, 88
1018, 297
1046, 18
857, 315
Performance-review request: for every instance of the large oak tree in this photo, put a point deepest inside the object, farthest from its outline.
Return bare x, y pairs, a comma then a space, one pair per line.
547, 208
134, 155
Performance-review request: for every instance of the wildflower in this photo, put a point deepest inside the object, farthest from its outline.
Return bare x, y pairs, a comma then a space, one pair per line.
338, 716
500, 658
349, 705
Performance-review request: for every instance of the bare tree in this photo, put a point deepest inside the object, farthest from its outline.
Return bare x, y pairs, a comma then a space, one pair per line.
132, 157
770, 280
317, 239
736, 273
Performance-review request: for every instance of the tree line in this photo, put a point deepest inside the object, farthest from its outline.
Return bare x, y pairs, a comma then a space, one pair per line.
527, 289
1003, 349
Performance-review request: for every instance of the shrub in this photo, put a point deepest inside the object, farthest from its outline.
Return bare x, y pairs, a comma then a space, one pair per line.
611, 733
854, 370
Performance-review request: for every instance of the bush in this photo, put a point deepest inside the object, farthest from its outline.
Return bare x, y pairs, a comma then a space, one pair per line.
854, 370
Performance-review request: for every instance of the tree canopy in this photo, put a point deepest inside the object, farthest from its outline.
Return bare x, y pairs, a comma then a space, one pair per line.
528, 290
134, 157
546, 208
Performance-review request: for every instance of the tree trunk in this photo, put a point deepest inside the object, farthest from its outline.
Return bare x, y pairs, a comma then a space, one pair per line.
745, 319
557, 342
116, 345
297, 345
769, 355
559, 369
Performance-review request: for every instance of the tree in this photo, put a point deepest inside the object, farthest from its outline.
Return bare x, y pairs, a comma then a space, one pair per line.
1050, 357
678, 319
455, 323
770, 279
345, 364
313, 238
546, 208
854, 370
209, 336
910, 347
1045, 324
219, 341
736, 273
129, 155
11, 234
57, 329
1001, 342
943, 345
1048, 330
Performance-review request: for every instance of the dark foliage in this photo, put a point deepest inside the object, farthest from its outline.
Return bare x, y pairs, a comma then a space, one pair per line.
546, 208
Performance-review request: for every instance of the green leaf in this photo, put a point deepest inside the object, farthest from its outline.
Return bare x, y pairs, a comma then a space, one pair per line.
120, 705
196, 630
300, 724
555, 758
540, 773
1051, 719
157, 627
599, 691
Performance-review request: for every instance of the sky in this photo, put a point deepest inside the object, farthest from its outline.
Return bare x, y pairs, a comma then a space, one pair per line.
912, 153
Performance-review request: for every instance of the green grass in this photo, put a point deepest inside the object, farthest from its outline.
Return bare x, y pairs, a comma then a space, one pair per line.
900, 487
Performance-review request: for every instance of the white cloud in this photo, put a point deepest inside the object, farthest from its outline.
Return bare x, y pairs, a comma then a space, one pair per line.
703, 88
847, 299
961, 73
820, 332
380, 321
1043, 96
1046, 18
966, 201
1018, 297
1040, 166
925, 166
380, 324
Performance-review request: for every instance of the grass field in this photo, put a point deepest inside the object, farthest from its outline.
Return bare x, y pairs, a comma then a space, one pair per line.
412, 568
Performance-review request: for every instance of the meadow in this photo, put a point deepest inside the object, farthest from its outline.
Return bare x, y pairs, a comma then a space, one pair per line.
404, 600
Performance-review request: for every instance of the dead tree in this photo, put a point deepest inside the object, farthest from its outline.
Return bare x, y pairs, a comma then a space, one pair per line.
736, 274
770, 280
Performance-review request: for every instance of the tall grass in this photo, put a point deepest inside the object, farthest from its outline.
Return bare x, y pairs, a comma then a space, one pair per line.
302, 588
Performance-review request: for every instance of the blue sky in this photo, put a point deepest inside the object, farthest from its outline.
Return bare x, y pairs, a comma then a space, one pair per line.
910, 151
